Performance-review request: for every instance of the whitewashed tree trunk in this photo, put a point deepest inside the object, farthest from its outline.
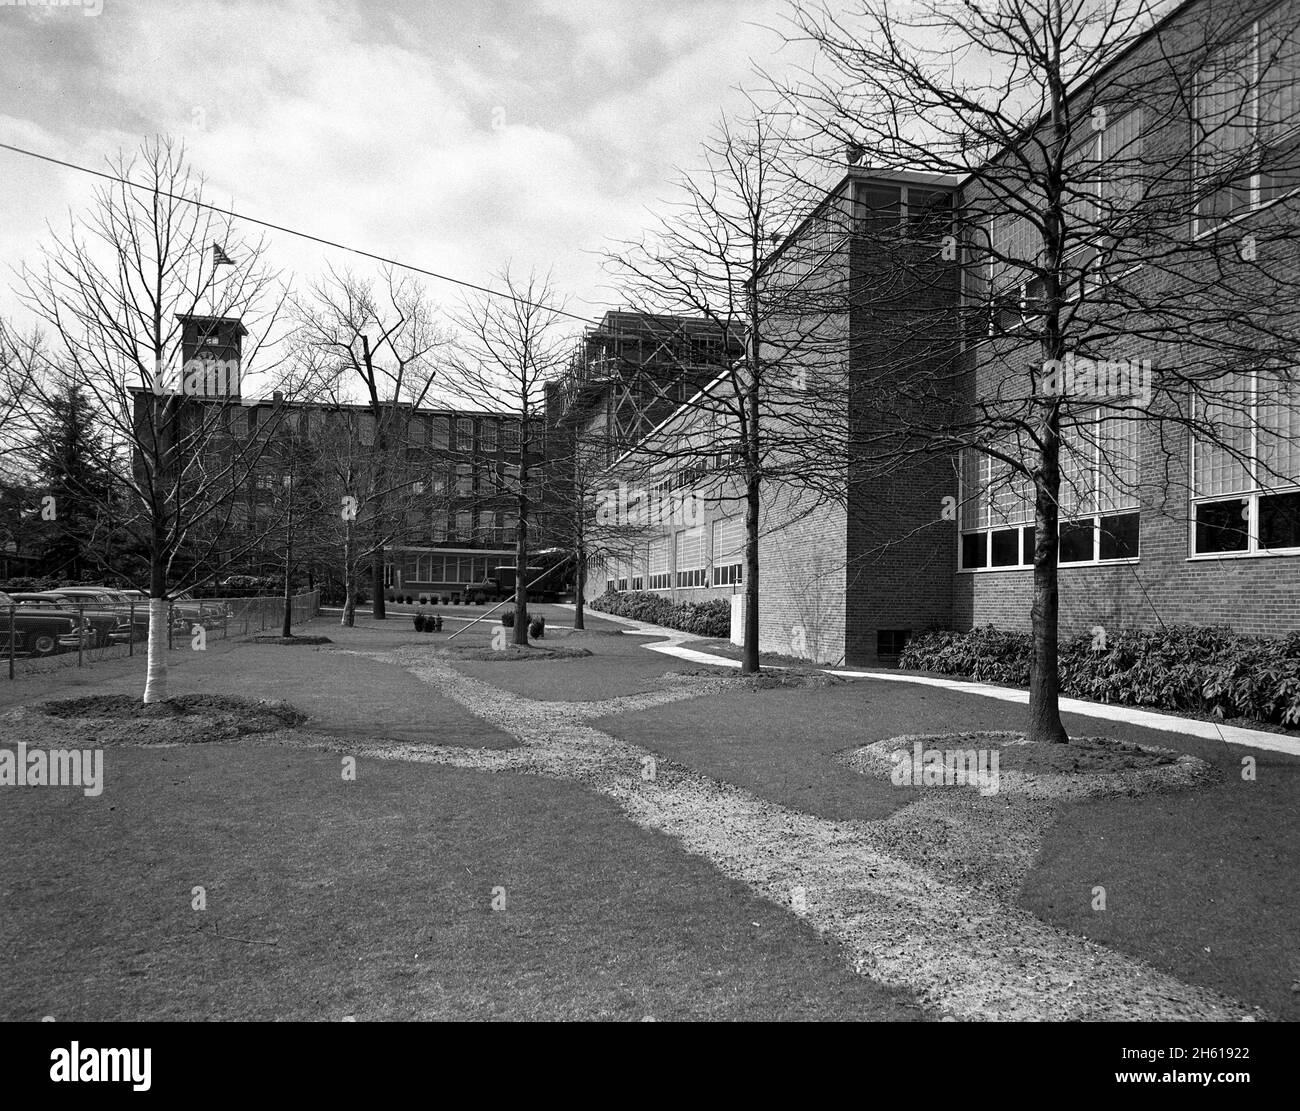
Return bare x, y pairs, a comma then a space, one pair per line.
155, 684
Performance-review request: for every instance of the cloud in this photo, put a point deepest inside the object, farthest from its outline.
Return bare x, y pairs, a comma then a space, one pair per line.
453, 136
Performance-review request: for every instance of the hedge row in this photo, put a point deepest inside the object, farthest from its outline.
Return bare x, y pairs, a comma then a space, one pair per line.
1182, 667
705, 619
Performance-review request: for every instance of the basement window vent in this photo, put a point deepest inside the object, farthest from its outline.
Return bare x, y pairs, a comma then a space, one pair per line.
890, 644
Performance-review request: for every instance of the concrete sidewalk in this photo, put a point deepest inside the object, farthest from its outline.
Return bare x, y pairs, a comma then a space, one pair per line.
1130, 715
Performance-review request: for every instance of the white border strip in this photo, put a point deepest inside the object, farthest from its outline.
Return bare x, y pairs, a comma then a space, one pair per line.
1129, 715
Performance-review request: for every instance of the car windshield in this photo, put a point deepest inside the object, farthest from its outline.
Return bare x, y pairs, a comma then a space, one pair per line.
5, 600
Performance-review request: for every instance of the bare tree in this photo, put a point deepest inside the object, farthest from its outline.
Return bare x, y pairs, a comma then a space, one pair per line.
384, 342
1125, 204
114, 292
507, 349
771, 407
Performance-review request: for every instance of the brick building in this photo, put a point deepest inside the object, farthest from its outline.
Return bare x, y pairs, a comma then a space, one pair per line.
1161, 522
453, 474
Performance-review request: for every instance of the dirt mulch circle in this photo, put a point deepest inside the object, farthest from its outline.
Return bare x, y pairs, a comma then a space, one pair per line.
123, 719
784, 679
276, 639
511, 653
1087, 767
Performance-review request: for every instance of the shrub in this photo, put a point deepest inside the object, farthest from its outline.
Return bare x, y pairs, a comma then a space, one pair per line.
537, 627
704, 619
1207, 670
419, 622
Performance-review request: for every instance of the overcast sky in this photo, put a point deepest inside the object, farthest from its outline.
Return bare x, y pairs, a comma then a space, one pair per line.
454, 134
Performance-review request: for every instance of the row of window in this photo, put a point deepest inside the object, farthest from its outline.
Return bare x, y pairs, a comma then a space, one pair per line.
488, 526
437, 568
685, 559
1244, 498
465, 435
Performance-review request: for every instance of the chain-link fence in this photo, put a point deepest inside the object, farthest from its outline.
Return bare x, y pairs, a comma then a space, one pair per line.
37, 638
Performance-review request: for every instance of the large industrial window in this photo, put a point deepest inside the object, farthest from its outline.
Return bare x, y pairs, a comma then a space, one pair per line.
438, 433
659, 570
464, 435
1246, 135
691, 570
1247, 477
728, 551
1097, 507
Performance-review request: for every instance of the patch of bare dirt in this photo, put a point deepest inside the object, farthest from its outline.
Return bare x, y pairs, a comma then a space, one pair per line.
512, 653
123, 719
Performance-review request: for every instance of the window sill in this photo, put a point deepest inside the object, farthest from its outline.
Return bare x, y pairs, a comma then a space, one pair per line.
1059, 566
1215, 557
1240, 217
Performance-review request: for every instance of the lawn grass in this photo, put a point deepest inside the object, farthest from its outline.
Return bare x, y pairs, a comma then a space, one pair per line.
372, 898
342, 693
1202, 885
618, 666
1212, 868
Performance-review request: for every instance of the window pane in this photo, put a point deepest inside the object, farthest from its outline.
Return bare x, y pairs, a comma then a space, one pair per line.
1006, 547
928, 212
1027, 546
1119, 536
1278, 402
1076, 541
1117, 457
878, 208
1225, 409
1279, 521
1221, 526
1121, 150
974, 549
464, 435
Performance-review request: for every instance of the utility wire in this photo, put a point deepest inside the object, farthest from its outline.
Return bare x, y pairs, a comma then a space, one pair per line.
291, 231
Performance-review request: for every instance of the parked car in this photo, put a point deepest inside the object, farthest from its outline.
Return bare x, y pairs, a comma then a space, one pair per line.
106, 599
189, 611
40, 631
109, 626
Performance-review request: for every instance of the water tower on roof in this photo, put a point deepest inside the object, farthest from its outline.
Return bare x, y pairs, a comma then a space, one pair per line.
211, 352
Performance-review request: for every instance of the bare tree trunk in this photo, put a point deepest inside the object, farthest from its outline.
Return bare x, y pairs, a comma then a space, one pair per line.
581, 576
349, 617
749, 664
521, 582
155, 684
753, 461
286, 628
377, 577
1044, 682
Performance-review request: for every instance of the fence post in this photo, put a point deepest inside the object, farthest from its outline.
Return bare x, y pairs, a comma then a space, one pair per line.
11, 640
130, 642
81, 625
170, 605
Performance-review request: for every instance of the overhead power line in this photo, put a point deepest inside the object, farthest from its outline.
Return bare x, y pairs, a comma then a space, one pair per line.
292, 231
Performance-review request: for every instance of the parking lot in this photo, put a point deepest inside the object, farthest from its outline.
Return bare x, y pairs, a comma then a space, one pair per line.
41, 634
